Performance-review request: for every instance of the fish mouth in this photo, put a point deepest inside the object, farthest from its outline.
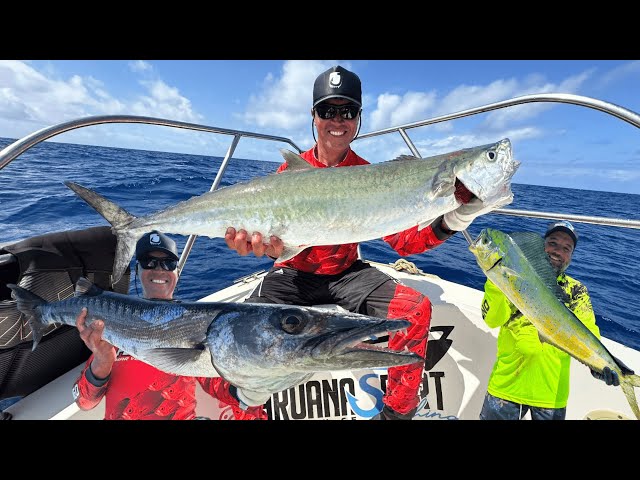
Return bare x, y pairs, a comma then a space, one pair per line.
349, 349
483, 250
491, 182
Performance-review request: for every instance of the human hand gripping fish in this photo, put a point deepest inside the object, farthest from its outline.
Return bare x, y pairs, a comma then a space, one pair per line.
518, 265
239, 242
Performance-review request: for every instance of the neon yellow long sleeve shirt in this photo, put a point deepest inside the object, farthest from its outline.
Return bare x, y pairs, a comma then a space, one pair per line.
528, 371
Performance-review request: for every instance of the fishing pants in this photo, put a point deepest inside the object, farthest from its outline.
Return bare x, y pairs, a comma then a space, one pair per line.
495, 408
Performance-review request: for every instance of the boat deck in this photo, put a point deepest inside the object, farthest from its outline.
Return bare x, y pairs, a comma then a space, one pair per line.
460, 355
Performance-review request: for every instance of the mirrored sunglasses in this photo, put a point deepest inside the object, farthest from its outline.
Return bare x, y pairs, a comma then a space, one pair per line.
327, 111
150, 263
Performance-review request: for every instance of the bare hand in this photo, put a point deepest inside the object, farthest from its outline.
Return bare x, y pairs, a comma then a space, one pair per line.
238, 241
104, 354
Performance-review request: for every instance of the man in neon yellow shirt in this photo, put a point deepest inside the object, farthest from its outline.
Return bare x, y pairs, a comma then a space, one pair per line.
529, 374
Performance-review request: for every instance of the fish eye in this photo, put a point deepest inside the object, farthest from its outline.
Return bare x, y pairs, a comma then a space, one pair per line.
292, 323
492, 155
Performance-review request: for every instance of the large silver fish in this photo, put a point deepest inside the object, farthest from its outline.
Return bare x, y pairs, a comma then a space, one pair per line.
518, 265
260, 348
307, 206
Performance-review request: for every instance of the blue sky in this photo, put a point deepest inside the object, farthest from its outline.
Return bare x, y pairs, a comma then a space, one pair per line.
558, 145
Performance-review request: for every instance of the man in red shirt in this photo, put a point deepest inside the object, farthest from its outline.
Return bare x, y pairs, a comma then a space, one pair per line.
333, 273
134, 390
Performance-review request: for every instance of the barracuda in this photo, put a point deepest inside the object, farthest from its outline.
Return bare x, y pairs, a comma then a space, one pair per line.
518, 265
307, 206
260, 348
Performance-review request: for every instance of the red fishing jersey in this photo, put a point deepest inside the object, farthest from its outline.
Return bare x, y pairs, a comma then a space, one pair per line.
137, 391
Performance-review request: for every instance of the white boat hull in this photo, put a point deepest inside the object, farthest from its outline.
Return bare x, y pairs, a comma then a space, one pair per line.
460, 356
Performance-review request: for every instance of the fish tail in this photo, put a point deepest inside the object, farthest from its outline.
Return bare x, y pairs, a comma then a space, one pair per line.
27, 302
633, 380
119, 219
84, 287
627, 383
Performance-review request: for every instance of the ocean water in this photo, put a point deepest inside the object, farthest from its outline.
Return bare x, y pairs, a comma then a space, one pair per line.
34, 200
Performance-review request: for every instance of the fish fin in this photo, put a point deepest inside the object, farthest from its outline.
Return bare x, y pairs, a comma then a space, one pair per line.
27, 302
633, 379
190, 362
532, 246
627, 388
125, 248
84, 287
404, 157
119, 219
288, 253
115, 215
252, 398
544, 338
295, 162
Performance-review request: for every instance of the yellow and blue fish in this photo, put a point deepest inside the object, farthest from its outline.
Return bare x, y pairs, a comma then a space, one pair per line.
518, 265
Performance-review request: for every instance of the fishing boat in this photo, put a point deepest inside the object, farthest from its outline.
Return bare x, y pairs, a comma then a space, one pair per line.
461, 348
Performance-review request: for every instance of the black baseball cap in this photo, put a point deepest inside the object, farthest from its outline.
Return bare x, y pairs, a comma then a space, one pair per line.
156, 241
563, 226
337, 82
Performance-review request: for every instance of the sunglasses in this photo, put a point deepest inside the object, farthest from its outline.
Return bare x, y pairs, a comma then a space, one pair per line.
327, 111
150, 263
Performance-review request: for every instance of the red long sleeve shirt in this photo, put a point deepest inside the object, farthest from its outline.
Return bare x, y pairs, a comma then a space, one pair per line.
137, 391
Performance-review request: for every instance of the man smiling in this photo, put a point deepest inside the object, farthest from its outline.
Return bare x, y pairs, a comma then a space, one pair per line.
334, 273
530, 374
132, 389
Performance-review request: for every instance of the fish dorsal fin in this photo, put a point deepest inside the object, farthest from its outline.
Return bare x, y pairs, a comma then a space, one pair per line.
404, 157
532, 246
84, 287
295, 162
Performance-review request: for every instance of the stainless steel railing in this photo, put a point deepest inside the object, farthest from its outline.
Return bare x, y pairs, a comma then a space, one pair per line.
606, 107
11, 152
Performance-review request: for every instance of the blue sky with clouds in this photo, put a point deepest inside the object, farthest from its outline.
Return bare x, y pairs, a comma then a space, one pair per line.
558, 144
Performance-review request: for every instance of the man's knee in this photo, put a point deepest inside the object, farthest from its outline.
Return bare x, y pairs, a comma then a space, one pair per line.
412, 305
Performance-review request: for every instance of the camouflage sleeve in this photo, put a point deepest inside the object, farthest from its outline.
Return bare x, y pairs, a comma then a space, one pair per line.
219, 388
88, 390
496, 307
580, 305
412, 241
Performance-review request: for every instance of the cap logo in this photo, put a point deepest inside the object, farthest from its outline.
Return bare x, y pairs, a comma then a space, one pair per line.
154, 239
564, 224
335, 80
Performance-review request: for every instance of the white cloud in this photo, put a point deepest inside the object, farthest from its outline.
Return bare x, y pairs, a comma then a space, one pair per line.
285, 99
140, 66
164, 101
631, 69
31, 99
533, 84
393, 109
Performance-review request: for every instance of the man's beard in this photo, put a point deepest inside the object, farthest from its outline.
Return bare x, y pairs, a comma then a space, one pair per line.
561, 268
558, 269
